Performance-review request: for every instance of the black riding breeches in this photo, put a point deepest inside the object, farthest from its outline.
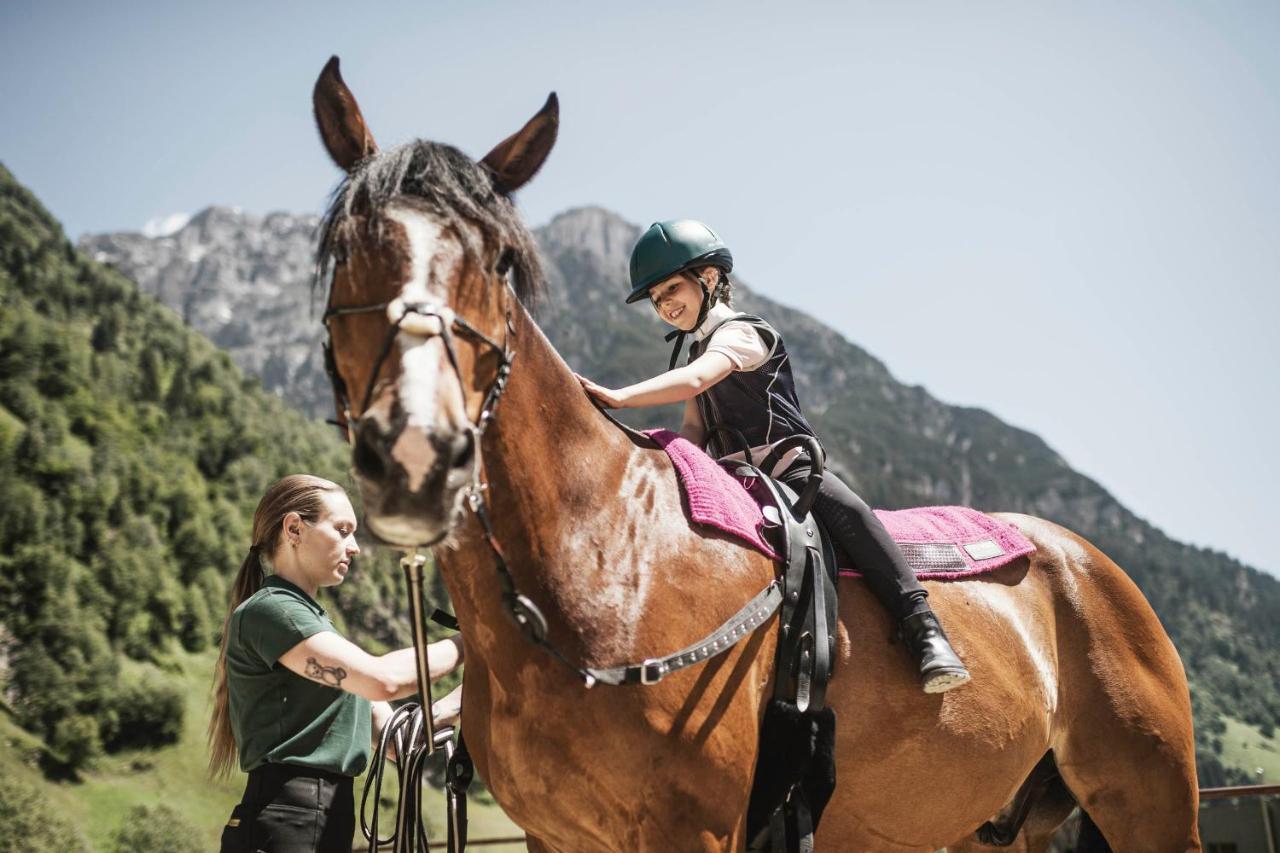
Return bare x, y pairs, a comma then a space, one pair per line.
290, 809
860, 534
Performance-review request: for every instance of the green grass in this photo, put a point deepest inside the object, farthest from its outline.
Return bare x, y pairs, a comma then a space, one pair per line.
1244, 746
175, 776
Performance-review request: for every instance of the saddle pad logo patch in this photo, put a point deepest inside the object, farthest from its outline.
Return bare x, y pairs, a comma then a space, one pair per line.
984, 549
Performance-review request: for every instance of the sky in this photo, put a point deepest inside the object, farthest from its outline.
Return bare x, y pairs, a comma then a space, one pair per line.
1064, 213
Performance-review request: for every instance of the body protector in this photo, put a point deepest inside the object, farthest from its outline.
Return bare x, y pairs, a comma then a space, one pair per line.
761, 403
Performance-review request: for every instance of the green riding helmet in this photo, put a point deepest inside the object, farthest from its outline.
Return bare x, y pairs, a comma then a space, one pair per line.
671, 246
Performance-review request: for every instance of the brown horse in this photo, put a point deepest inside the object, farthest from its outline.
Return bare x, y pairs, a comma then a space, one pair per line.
1067, 657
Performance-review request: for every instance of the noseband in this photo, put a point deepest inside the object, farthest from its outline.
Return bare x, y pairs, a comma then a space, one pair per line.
425, 319
519, 608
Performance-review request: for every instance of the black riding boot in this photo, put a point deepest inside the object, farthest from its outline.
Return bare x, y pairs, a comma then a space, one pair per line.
940, 666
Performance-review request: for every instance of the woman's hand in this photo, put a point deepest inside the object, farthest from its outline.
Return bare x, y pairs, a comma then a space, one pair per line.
610, 398
447, 710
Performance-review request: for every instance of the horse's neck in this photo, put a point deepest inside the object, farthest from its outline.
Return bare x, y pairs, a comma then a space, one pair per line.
551, 447
551, 462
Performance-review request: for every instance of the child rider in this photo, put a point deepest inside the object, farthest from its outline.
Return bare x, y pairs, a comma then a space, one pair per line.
738, 375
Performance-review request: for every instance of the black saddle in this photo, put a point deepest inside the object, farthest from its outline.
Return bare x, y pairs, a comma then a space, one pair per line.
795, 769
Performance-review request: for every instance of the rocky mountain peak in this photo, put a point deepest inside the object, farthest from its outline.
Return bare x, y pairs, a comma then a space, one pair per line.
595, 230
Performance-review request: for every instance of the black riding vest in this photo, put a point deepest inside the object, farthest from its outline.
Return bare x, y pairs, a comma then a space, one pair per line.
761, 404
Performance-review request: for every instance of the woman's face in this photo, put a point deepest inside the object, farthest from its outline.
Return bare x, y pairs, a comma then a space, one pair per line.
677, 300
325, 548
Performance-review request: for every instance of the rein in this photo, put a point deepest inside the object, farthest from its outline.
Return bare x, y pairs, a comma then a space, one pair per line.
413, 731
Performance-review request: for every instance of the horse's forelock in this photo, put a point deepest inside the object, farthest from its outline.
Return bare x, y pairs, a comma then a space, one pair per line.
446, 184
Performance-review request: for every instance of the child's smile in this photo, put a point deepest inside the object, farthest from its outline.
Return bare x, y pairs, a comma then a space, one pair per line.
677, 301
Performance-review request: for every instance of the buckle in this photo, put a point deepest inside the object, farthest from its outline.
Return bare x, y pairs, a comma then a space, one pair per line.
652, 671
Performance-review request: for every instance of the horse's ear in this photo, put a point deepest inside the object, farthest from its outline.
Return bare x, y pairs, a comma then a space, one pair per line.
517, 158
342, 128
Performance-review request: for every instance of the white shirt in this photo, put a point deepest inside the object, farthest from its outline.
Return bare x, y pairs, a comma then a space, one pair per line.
737, 340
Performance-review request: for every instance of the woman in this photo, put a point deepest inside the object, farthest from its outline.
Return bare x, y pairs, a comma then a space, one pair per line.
294, 701
739, 376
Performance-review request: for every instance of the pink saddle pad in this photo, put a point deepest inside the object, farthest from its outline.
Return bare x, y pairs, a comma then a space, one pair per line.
938, 541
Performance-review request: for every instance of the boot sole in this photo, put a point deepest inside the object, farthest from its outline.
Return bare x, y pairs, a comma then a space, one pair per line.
944, 681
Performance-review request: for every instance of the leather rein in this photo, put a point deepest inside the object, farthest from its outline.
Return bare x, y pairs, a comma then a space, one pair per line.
442, 322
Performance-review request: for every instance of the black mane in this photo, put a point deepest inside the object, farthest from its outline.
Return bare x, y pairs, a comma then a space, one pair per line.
446, 183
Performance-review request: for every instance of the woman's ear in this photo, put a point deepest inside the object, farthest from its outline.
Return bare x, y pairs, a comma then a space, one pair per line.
291, 528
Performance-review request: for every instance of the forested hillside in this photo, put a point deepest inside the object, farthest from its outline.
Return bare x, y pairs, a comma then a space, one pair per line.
132, 454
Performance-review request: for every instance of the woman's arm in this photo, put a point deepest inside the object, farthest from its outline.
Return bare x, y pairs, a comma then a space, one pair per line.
339, 663
674, 386
381, 713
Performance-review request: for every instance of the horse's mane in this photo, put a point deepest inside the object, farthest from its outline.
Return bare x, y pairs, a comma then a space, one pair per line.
444, 182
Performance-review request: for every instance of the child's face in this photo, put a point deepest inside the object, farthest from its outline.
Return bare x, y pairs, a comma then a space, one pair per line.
677, 300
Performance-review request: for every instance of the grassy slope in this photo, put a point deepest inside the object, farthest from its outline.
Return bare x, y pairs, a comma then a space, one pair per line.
175, 776
1244, 746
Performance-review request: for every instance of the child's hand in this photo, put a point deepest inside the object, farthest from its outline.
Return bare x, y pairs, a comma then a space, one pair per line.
610, 398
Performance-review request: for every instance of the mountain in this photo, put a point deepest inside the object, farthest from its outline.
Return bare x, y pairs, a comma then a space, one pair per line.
242, 282
897, 444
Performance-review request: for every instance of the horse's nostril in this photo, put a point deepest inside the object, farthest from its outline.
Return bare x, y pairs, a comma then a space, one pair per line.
461, 450
367, 460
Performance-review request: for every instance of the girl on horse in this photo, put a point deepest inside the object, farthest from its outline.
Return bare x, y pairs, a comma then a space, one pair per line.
738, 376
297, 704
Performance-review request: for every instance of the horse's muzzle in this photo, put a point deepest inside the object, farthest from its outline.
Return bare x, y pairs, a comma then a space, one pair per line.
410, 480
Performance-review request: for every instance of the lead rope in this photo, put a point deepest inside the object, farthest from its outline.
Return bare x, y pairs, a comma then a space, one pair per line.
411, 725
411, 731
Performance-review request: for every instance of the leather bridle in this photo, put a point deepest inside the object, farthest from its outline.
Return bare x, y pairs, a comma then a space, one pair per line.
429, 318
521, 610
425, 319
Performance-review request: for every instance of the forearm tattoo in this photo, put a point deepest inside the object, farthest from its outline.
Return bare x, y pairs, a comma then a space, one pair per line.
330, 675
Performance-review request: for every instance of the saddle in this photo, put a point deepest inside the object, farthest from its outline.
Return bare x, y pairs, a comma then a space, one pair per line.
795, 769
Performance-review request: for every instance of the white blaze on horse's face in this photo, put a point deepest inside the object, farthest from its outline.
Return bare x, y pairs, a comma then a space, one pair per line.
423, 418
429, 394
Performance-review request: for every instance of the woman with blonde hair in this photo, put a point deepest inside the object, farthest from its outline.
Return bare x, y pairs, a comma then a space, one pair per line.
296, 703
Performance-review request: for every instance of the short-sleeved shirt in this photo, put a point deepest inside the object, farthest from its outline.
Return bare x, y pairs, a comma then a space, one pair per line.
772, 406
277, 716
736, 340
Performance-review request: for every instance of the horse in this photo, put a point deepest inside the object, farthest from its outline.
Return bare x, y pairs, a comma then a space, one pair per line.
455, 401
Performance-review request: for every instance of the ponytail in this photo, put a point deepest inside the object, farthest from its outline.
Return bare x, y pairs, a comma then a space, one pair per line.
222, 741
723, 290
300, 493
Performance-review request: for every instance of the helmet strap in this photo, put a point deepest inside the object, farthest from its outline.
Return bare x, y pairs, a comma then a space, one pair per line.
679, 334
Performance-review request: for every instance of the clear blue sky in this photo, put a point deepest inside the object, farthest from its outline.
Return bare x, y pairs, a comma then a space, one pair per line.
1067, 214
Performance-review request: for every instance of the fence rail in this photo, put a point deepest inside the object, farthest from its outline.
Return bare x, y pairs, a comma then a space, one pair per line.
1238, 791
1205, 794
479, 842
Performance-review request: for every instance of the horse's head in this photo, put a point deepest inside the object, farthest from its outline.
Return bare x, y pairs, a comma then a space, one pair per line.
420, 243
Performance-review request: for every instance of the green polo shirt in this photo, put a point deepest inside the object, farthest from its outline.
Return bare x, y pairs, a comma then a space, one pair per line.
279, 717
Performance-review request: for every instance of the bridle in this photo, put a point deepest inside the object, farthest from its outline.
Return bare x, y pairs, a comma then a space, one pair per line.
411, 726
425, 319
519, 607
429, 318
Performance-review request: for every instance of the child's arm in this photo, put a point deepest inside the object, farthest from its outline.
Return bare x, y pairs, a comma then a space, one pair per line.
693, 428
674, 386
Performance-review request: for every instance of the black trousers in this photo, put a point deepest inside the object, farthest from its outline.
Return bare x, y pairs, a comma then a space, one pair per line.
863, 538
291, 809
